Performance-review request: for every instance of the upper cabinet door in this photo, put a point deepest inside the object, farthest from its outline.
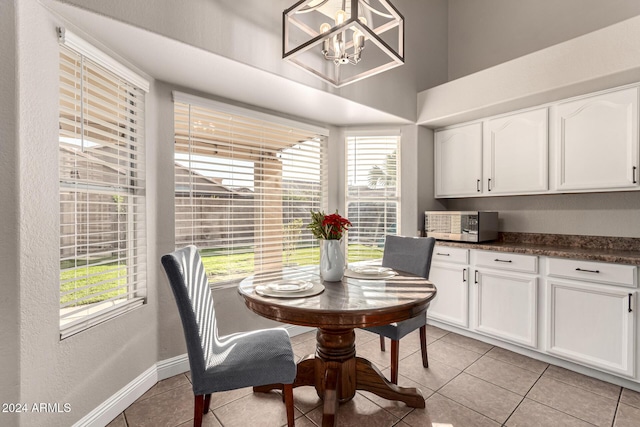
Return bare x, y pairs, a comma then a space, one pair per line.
516, 153
458, 161
597, 142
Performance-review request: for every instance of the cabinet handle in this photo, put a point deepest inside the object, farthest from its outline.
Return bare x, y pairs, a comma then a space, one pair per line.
489, 184
587, 271
502, 260
635, 181
464, 274
475, 277
442, 254
478, 185
630, 310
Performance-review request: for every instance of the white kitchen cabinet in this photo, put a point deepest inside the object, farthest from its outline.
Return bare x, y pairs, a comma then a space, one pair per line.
458, 161
579, 311
597, 142
591, 313
505, 297
450, 274
516, 153
592, 324
504, 155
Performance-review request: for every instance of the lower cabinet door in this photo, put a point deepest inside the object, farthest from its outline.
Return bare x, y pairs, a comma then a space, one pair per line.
506, 306
451, 303
592, 324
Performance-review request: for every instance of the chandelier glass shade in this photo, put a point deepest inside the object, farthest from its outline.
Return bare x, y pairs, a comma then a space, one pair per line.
343, 41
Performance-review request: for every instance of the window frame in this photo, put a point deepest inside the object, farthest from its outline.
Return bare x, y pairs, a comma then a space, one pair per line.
100, 189
217, 110
397, 199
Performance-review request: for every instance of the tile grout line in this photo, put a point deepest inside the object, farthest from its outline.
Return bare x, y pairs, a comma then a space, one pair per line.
615, 413
513, 364
559, 410
525, 395
463, 405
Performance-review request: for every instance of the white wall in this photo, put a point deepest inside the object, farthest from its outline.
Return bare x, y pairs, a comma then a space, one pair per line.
249, 32
9, 199
425, 177
489, 32
87, 368
595, 214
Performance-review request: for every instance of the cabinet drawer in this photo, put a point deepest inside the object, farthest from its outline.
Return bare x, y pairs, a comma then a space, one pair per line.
600, 272
449, 254
507, 261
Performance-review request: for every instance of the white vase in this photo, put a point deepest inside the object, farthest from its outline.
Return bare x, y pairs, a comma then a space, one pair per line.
332, 260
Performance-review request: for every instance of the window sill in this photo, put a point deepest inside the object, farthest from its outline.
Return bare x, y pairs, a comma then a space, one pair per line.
95, 314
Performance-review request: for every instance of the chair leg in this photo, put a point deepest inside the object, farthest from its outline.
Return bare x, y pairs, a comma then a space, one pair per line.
395, 351
288, 403
423, 346
382, 343
207, 403
197, 414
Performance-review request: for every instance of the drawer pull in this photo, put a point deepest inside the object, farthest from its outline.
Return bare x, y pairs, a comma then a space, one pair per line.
441, 254
587, 271
464, 274
502, 260
630, 310
476, 277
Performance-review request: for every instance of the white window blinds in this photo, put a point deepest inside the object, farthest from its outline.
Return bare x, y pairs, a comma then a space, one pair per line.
102, 204
244, 186
372, 193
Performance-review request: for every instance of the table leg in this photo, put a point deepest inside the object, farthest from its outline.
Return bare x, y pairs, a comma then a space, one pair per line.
337, 373
369, 378
331, 393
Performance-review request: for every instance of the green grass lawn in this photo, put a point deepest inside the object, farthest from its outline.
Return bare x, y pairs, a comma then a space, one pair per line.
104, 277
217, 263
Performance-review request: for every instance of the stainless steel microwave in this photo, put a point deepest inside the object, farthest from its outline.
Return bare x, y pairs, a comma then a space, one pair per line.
461, 226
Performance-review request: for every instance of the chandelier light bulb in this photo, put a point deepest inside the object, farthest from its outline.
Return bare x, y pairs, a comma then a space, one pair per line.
343, 41
338, 45
358, 39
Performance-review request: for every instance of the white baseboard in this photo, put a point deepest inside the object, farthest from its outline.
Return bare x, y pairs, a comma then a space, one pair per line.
116, 404
297, 330
113, 406
170, 367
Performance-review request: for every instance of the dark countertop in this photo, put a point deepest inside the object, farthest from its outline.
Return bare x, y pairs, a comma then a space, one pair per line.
619, 250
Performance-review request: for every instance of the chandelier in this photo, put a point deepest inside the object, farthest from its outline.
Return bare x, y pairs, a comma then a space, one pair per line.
343, 41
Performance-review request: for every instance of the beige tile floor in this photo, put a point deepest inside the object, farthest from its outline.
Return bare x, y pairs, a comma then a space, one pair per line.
468, 383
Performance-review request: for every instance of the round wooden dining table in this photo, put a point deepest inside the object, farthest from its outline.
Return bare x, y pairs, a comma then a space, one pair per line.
335, 370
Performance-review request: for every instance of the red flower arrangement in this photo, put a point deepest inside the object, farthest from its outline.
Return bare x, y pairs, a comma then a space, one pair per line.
328, 227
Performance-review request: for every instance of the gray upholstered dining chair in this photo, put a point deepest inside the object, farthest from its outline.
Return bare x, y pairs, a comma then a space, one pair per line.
411, 255
220, 363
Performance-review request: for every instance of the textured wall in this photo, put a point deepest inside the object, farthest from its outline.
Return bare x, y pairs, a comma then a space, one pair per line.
9, 285
87, 368
489, 32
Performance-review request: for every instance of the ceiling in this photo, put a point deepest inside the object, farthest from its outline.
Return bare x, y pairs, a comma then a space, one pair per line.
180, 64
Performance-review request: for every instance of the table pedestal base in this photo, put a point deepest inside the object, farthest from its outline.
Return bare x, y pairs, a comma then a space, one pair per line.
337, 373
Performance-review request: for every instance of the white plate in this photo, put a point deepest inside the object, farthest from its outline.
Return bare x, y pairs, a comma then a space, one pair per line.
370, 270
265, 291
289, 286
379, 276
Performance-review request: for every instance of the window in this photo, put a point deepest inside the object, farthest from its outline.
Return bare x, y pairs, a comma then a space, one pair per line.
372, 193
244, 185
102, 181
